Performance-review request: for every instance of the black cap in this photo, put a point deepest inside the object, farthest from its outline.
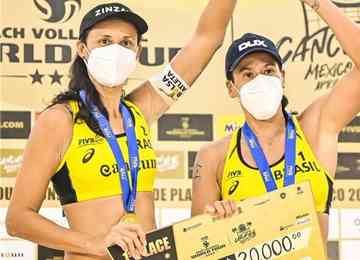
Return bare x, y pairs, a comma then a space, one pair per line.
112, 10
245, 45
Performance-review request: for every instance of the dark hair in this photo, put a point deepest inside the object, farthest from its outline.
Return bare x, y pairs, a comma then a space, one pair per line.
284, 102
79, 79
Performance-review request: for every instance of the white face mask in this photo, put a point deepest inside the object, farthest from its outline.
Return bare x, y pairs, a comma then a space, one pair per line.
262, 96
111, 65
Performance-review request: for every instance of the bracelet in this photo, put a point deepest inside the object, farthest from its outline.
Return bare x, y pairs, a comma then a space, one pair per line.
316, 5
169, 83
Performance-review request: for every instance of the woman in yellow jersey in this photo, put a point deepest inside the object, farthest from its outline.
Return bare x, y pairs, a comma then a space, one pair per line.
228, 169
94, 144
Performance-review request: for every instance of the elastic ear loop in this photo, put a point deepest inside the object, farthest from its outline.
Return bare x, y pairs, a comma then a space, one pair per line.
232, 85
83, 58
228, 83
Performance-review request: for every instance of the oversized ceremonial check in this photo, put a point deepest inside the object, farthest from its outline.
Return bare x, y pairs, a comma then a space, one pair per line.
278, 225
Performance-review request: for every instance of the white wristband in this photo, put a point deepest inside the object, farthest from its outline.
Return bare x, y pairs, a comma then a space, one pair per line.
168, 82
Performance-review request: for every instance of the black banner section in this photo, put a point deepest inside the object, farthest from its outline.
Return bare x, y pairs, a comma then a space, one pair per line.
15, 124
185, 127
191, 161
333, 250
348, 166
160, 245
351, 133
230, 257
45, 253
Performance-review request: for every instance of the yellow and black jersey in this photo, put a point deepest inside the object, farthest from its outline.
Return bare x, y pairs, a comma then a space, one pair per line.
241, 181
89, 169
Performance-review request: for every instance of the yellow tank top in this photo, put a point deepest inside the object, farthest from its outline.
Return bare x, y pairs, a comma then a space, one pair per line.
89, 169
241, 181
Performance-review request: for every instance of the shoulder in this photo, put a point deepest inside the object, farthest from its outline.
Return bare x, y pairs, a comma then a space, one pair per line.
133, 106
216, 150
310, 118
52, 130
211, 158
149, 101
57, 118
312, 113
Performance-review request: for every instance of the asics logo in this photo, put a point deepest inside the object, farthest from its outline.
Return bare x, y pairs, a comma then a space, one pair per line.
233, 187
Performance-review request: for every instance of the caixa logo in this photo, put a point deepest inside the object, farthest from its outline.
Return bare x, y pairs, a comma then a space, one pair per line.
55, 11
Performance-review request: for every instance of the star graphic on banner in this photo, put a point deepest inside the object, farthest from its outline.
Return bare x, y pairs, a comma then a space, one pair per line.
56, 78
36, 77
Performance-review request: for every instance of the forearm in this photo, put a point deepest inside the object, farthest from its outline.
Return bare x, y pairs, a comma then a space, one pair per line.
145, 210
190, 61
205, 191
342, 103
215, 18
32, 226
347, 32
198, 206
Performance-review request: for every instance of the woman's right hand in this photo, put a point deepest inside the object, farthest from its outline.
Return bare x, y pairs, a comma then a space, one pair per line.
130, 237
221, 209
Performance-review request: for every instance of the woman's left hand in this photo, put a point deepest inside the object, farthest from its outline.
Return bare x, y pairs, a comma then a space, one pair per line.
221, 209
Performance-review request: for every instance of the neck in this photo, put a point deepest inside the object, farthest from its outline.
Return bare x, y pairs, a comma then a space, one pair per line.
267, 129
111, 98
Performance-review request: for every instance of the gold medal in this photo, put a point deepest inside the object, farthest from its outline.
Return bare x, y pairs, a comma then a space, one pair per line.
129, 218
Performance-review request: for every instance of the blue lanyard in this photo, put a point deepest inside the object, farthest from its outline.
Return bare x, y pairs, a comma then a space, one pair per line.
128, 195
261, 161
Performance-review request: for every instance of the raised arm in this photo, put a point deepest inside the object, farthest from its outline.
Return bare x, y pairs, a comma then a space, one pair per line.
189, 62
208, 37
342, 104
346, 31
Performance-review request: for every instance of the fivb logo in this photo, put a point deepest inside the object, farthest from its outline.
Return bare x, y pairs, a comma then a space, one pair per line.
252, 43
110, 9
